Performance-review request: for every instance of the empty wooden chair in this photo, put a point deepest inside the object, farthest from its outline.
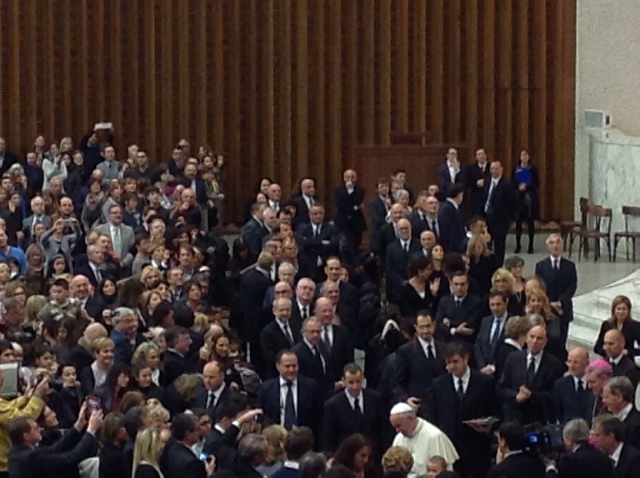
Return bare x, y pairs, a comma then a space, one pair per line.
629, 235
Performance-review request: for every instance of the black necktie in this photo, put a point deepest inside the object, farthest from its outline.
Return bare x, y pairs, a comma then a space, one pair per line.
531, 371
325, 338
460, 390
304, 312
496, 333
317, 357
287, 333
406, 247
289, 408
356, 406
210, 399
458, 302
580, 386
430, 354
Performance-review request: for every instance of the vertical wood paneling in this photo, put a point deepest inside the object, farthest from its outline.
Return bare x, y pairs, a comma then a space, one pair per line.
368, 70
384, 72
436, 60
286, 88
402, 65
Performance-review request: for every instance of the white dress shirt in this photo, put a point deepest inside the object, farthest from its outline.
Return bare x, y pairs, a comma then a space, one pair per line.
615, 456
465, 380
352, 400
425, 346
624, 413
537, 359
283, 396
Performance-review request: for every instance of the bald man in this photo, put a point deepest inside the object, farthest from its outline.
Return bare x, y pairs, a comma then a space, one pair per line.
80, 355
80, 288
389, 232
573, 397
349, 218
623, 366
335, 338
528, 380
399, 252
317, 239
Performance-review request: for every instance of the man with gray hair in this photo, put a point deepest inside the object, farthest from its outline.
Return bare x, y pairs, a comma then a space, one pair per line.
618, 395
252, 452
124, 334
581, 459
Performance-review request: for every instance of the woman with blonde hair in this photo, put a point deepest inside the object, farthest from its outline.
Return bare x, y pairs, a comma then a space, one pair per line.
158, 415
146, 454
35, 258
31, 309
620, 319
503, 281
290, 252
397, 459
538, 303
482, 263
276, 436
149, 354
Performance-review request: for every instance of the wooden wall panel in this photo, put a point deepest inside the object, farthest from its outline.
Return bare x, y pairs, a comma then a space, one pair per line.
286, 88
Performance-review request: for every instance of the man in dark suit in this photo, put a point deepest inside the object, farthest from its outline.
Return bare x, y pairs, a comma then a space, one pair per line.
573, 398
449, 173
175, 362
348, 292
389, 232
247, 308
314, 361
335, 338
95, 269
618, 395
460, 395
491, 332
476, 175
302, 303
38, 216
304, 201
512, 460
215, 391
457, 315
399, 252
345, 316
356, 410
318, 240
254, 230
349, 217
499, 208
291, 400
452, 230
79, 287
7, 158
180, 460
125, 334
418, 216
560, 277
581, 459
28, 460
609, 434
419, 362
621, 363
527, 383
279, 334
191, 180
378, 209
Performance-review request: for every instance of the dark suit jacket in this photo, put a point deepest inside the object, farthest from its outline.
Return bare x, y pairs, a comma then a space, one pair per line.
309, 406
349, 217
452, 231
484, 353
181, 461
312, 247
414, 372
9, 160
341, 421
569, 403
174, 366
201, 400
631, 332
561, 285
626, 368
396, 262
521, 465
309, 367
341, 352
418, 222
632, 428
273, 340
253, 286
378, 214
253, 232
88, 273
80, 357
302, 211
448, 412
467, 312
628, 464
444, 178
540, 407
222, 446
585, 462
387, 236
502, 205
94, 307
111, 464
71, 449
476, 194
123, 350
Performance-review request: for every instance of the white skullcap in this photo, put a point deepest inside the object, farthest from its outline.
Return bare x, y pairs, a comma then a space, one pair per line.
402, 408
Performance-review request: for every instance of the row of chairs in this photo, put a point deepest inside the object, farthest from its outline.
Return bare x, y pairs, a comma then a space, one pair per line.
595, 226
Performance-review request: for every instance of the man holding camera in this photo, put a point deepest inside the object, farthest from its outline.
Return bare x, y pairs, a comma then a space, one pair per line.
29, 405
28, 460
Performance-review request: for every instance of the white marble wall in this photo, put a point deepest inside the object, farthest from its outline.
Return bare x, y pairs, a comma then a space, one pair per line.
614, 175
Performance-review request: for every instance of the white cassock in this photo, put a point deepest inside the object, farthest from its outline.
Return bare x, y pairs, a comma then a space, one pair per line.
427, 441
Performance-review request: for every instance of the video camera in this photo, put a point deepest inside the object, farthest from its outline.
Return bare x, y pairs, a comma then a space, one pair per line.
544, 439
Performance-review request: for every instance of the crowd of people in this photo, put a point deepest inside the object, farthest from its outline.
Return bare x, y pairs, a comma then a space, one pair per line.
135, 343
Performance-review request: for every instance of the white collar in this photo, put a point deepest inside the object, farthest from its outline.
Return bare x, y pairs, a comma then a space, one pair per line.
284, 381
624, 413
351, 399
559, 258
617, 359
466, 376
218, 392
425, 344
511, 453
513, 342
537, 357
579, 379
615, 456
293, 465
455, 204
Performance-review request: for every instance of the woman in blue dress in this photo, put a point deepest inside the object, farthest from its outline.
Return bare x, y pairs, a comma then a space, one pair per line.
527, 182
